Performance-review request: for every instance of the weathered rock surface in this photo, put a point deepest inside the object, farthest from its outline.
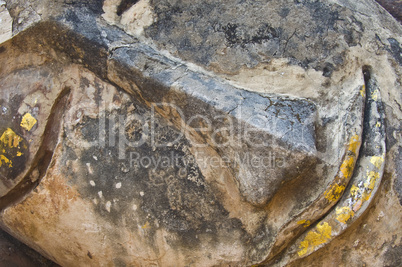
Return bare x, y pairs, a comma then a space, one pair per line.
175, 133
15, 253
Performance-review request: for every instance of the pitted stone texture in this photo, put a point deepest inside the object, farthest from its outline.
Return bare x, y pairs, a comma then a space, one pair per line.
262, 136
153, 191
69, 205
228, 35
177, 209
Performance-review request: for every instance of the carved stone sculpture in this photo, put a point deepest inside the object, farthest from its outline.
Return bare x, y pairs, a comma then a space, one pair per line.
202, 133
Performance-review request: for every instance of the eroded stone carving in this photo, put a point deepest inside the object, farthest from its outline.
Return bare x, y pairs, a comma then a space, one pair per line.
122, 153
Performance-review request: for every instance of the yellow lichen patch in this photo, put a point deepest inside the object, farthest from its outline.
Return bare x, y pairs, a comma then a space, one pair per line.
305, 223
372, 177
377, 161
11, 146
354, 143
4, 160
354, 191
363, 91
366, 196
378, 124
348, 164
347, 167
344, 214
315, 238
28, 121
374, 95
145, 226
335, 192
10, 139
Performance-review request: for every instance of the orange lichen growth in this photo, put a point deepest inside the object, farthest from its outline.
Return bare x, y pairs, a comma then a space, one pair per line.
305, 223
9, 146
354, 190
363, 91
4, 160
334, 193
349, 162
372, 177
344, 214
375, 95
28, 121
354, 143
315, 238
377, 161
347, 167
9, 139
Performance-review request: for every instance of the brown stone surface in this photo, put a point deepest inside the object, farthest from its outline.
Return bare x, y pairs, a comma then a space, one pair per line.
15, 254
394, 7
77, 94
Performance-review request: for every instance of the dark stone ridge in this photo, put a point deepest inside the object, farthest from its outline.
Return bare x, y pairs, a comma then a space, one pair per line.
15, 253
396, 50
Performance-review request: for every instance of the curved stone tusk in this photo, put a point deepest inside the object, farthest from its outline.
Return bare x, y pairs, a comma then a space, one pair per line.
360, 192
352, 123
